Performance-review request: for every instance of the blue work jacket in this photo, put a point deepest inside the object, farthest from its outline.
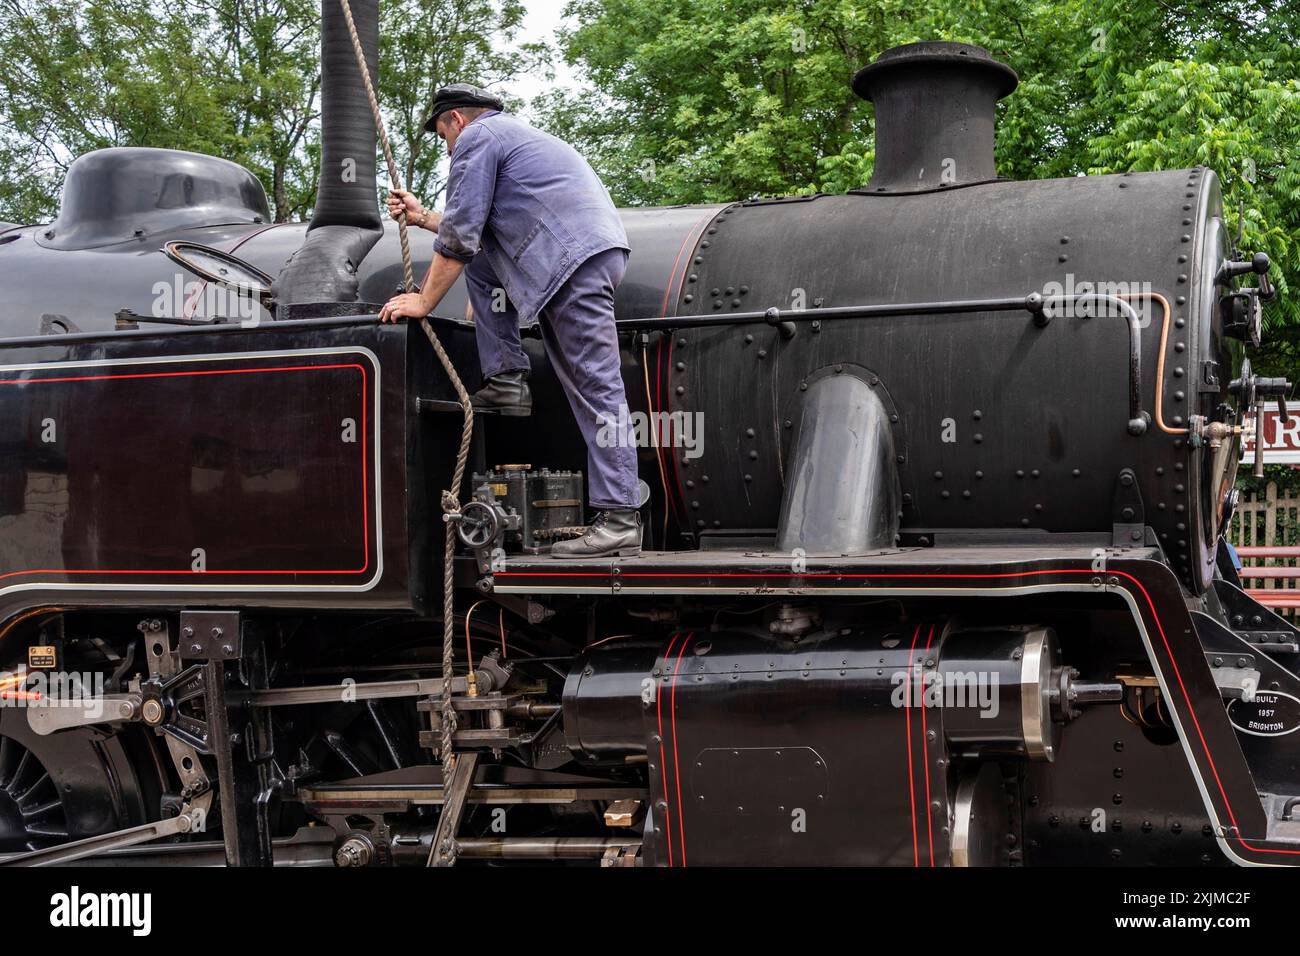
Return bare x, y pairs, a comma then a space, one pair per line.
529, 203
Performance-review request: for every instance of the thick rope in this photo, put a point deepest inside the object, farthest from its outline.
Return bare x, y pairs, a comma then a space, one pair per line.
450, 503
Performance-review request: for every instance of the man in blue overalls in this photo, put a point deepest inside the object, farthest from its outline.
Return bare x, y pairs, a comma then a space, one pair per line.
537, 236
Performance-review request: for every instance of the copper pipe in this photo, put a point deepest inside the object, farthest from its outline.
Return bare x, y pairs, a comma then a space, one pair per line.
15, 621
1160, 361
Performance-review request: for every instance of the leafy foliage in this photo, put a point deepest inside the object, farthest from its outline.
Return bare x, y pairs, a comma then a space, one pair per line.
234, 78
707, 100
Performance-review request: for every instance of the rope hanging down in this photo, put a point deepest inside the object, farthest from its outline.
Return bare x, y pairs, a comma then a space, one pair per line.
450, 503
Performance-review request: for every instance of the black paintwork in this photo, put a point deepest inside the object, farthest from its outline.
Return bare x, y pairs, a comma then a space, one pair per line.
302, 455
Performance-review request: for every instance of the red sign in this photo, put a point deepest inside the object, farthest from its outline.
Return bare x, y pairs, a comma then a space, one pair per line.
1281, 441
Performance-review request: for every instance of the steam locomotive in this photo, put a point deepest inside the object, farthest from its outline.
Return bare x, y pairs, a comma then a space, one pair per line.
938, 474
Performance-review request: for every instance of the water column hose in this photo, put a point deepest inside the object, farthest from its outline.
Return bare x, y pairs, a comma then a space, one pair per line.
450, 503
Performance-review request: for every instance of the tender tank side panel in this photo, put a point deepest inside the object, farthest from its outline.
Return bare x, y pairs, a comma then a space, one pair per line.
251, 468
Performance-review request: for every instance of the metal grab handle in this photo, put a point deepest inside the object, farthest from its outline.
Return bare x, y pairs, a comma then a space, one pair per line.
1036, 304
1138, 419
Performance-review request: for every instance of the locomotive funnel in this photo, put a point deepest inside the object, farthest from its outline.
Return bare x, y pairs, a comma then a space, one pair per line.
935, 106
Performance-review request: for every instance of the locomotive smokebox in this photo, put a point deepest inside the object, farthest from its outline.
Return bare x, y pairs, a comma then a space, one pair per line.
935, 105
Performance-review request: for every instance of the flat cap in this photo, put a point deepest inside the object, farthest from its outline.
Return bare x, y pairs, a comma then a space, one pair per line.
459, 95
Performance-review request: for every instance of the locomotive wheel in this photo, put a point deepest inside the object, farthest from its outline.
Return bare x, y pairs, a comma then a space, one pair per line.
72, 784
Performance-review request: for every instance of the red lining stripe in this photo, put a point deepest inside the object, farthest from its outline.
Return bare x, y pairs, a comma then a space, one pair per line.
925, 754
907, 719
677, 770
172, 572
1155, 616
663, 760
673, 285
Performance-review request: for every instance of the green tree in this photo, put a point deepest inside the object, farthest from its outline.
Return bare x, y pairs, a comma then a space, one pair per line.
709, 100
76, 77
427, 44
233, 78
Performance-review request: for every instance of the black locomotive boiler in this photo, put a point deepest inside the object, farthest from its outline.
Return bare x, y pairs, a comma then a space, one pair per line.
939, 472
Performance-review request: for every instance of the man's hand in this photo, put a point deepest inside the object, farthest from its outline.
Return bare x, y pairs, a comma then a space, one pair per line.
399, 201
409, 305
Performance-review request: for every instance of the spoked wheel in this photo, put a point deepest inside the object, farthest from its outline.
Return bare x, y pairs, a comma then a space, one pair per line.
73, 784
31, 808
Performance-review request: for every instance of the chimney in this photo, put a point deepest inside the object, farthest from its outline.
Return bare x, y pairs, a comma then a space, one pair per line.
935, 107
345, 223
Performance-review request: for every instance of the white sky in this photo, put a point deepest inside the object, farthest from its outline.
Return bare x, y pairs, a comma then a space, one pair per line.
540, 24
